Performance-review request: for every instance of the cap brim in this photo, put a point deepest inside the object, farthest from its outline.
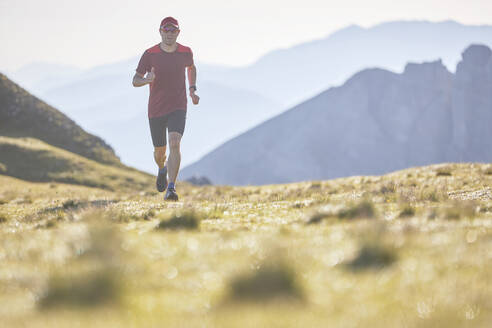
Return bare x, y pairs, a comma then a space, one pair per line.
176, 26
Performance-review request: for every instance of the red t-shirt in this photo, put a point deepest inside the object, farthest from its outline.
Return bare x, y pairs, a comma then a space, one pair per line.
168, 91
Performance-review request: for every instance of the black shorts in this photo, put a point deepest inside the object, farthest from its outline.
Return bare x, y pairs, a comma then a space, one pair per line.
174, 122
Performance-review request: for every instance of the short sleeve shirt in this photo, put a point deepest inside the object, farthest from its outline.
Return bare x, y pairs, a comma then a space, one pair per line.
168, 90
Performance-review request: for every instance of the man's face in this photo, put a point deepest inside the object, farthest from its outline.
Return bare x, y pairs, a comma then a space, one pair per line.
169, 34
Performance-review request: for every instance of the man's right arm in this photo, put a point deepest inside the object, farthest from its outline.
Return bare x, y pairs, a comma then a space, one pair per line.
139, 80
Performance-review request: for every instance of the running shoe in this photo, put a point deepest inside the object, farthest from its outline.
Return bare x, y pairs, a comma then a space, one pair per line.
161, 181
171, 194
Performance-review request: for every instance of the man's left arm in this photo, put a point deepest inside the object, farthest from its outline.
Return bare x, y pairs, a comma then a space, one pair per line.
192, 84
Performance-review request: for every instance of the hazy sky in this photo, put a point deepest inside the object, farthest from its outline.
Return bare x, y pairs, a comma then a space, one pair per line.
92, 32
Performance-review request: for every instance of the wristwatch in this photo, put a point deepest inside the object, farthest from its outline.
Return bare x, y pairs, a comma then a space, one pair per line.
192, 87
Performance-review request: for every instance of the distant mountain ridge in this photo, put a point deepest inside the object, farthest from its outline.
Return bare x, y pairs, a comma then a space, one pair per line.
376, 122
304, 70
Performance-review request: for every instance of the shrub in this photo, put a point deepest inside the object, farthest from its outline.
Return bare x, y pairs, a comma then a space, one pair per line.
70, 204
269, 282
217, 212
371, 256
388, 187
443, 172
80, 290
433, 194
298, 205
407, 211
363, 209
461, 209
93, 277
318, 217
149, 214
189, 220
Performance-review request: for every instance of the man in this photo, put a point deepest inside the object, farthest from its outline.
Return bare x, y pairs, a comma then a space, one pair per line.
162, 67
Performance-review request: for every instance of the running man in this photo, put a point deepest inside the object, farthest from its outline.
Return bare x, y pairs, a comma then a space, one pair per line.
162, 67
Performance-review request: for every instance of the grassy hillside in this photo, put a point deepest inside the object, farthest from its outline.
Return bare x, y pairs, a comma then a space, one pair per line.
33, 160
407, 249
24, 115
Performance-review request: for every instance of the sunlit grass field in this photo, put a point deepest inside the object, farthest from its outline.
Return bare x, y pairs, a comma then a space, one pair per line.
408, 249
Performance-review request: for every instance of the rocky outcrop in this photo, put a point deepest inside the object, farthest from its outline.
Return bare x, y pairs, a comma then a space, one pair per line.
199, 181
472, 105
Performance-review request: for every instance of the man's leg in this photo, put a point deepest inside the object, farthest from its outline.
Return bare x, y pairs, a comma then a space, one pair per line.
176, 126
158, 133
160, 156
174, 156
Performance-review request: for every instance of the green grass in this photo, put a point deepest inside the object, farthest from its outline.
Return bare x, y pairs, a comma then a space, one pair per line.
34, 160
407, 249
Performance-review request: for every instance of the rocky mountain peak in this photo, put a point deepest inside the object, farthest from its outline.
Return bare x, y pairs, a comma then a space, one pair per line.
477, 54
429, 71
476, 64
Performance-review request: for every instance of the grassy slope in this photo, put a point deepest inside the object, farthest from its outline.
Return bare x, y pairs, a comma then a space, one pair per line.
33, 160
440, 275
24, 115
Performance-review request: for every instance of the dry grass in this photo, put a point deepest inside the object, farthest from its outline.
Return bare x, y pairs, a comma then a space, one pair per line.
411, 248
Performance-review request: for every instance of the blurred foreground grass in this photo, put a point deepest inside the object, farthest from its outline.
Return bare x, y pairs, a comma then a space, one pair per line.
408, 249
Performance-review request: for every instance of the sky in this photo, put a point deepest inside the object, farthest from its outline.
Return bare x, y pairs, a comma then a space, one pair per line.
233, 33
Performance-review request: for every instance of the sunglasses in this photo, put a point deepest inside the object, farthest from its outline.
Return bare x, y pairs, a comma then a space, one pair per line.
170, 29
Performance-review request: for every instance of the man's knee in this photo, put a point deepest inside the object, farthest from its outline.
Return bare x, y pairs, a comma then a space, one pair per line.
160, 152
174, 141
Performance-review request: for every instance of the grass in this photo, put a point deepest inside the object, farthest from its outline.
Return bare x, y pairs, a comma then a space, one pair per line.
410, 248
33, 160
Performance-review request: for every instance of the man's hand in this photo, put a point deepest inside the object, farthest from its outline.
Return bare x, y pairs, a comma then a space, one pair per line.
139, 80
150, 76
194, 97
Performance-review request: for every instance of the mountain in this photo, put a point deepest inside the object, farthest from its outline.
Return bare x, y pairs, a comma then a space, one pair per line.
39, 143
376, 122
24, 115
234, 100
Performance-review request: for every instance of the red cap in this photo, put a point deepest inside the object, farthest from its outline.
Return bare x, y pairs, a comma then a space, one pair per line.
169, 21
